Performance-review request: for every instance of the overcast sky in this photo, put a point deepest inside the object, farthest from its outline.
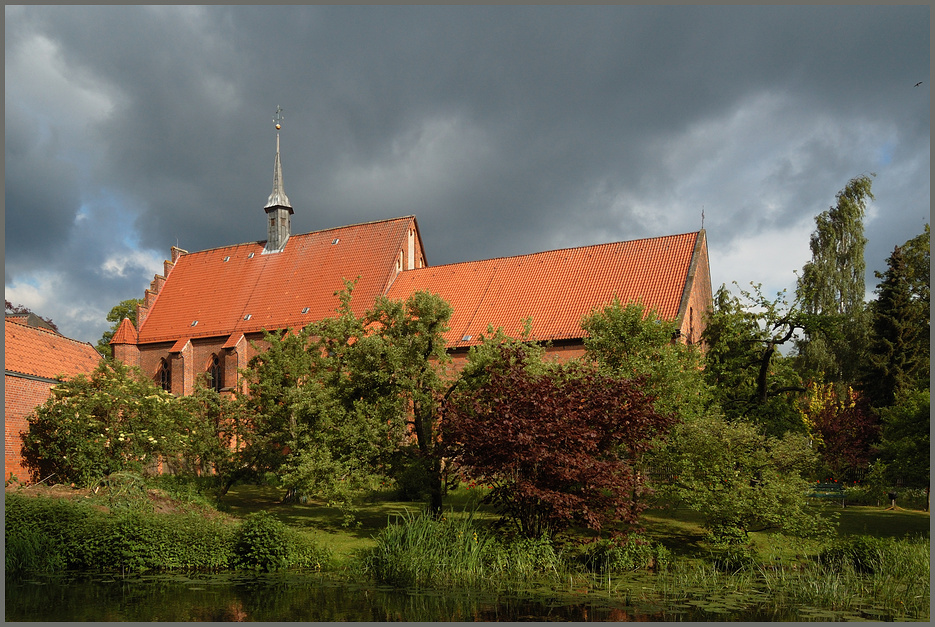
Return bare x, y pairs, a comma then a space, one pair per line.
505, 130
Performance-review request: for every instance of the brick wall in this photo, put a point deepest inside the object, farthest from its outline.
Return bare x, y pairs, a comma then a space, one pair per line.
21, 396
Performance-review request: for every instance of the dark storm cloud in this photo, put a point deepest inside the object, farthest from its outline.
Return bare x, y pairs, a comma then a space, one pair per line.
506, 130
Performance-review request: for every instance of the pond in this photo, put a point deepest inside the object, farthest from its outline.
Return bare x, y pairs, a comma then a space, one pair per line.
291, 596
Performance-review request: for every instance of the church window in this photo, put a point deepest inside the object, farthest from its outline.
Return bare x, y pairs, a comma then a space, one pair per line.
164, 375
215, 373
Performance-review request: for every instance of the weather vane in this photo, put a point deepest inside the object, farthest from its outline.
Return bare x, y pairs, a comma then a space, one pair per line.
278, 118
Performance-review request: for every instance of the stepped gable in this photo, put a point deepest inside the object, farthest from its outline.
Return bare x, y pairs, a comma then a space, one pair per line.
39, 352
238, 289
557, 288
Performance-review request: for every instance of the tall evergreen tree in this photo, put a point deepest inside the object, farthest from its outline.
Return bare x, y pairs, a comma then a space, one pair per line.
832, 286
894, 358
918, 268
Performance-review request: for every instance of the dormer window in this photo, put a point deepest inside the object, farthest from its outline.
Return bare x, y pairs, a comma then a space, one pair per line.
335, 241
248, 316
250, 256
226, 259
194, 322
304, 309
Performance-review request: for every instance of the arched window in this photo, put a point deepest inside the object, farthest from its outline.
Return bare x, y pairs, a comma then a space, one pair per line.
164, 375
215, 373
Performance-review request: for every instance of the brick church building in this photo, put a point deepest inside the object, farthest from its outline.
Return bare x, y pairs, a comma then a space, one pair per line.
200, 315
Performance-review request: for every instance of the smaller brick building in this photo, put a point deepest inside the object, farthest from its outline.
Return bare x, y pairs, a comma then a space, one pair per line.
36, 358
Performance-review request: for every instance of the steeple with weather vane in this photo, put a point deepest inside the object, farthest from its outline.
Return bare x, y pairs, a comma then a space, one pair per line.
278, 210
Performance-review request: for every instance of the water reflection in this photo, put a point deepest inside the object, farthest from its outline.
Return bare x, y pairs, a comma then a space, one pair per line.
284, 597
291, 596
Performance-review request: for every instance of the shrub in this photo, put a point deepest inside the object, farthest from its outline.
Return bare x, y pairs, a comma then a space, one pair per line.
262, 543
305, 552
521, 558
617, 556
412, 480
87, 538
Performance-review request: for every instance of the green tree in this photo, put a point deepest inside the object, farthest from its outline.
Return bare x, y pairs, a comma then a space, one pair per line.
629, 341
112, 419
832, 285
897, 354
905, 447
332, 403
918, 269
749, 378
739, 479
124, 309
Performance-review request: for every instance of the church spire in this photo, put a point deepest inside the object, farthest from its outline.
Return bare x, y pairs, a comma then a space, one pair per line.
278, 210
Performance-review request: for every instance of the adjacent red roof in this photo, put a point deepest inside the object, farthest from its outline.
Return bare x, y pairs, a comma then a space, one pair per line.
42, 353
239, 289
555, 288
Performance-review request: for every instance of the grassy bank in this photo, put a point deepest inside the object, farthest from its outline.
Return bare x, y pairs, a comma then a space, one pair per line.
876, 565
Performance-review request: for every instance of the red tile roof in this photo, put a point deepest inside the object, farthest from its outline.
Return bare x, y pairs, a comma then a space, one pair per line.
220, 287
555, 288
42, 353
125, 333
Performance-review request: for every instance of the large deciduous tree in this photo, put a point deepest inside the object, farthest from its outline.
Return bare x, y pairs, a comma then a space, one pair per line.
629, 341
832, 285
559, 447
749, 377
334, 402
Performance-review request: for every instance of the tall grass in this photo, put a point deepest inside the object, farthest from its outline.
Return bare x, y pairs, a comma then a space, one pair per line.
876, 577
418, 551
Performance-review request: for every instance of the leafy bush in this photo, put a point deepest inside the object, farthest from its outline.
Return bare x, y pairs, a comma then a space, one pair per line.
617, 556
305, 552
525, 558
262, 543
411, 481
87, 538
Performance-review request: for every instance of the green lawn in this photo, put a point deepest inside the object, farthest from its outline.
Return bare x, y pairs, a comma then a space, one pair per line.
679, 530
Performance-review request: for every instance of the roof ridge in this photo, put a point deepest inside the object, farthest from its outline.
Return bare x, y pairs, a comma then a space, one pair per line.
333, 228
556, 250
50, 332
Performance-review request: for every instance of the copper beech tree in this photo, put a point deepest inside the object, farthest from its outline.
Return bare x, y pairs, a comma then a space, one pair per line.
558, 448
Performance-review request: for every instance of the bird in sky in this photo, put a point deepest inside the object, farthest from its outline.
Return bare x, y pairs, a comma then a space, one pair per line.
919, 83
